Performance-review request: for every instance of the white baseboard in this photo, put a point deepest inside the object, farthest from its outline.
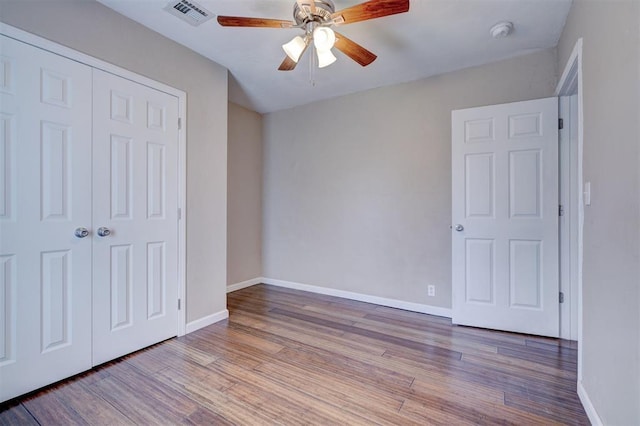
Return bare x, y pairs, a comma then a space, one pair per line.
594, 418
383, 301
243, 284
205, 321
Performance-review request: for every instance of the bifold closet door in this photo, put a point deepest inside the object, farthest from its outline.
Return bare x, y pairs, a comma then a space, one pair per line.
135, 216
45, 198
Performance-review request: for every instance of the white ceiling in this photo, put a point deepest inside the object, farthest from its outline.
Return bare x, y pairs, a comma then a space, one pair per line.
434, 37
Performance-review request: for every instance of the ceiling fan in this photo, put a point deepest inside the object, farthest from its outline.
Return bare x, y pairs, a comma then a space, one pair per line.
315, 18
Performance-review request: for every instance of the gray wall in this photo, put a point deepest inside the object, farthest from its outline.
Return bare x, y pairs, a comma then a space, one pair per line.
611, 272
357, 190
244, 229
91, 28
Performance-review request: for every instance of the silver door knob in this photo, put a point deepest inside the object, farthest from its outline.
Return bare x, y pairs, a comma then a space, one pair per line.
104, 232
458, 228
81, 232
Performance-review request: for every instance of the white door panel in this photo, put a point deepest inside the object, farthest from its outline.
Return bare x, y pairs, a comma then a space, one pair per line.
67, 163
505, 196
135, 196
45, 193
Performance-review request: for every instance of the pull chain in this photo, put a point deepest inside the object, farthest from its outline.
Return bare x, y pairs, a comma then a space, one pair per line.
312, 56
312, 67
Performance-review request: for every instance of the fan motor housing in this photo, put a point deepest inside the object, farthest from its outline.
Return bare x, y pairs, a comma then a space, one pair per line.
324, 9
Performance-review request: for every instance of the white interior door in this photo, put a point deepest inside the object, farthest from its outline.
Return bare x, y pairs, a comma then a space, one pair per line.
135, 159
505, 217
45, 193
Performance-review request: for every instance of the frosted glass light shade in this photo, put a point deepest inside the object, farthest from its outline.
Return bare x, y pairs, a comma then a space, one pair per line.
294, 48
325, 58
324, 38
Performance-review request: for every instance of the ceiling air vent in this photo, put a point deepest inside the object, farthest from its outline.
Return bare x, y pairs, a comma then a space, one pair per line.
189, 11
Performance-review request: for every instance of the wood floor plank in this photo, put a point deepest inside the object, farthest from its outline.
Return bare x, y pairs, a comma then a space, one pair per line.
131, 401
424, 371
281, 408
561, 413
341, 366
520, 366
16, 414
48, 409
424, 413
89, 407
343, 392
492, 377
551, 342
289, 357
181, 349
188, 375
223, 404
387, 338
561, 362
277, 400
154, 359
454, 344
149, 388
471, 406
204, 416
295, 332
457, 389
417, 330
447, 331
234, 336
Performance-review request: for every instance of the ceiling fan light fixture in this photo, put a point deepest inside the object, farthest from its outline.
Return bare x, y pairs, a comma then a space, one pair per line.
325, 58
324, 38
294, 48
315, 17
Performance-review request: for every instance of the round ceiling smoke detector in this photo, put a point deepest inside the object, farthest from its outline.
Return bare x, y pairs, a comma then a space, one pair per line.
501, 29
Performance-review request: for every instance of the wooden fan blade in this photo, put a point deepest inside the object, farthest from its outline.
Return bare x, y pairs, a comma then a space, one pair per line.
354, 50
287, 65
240, 21
370, 10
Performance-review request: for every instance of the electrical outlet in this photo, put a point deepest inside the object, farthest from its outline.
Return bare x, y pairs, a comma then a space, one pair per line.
431, 290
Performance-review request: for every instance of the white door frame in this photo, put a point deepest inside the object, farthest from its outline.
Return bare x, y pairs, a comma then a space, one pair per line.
568, 223
58, 49
571, 84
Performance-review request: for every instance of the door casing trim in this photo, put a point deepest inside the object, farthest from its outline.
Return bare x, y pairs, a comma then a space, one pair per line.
570, 83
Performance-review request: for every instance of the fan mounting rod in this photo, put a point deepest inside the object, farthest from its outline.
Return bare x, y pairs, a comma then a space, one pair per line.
320, 14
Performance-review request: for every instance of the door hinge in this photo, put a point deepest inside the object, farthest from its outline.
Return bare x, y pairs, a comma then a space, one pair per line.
560, 123
180, 303
179, 214
179, 123
560, 210
561, 297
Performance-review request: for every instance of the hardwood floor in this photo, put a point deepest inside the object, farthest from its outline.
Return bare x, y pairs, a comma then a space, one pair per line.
290, 357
